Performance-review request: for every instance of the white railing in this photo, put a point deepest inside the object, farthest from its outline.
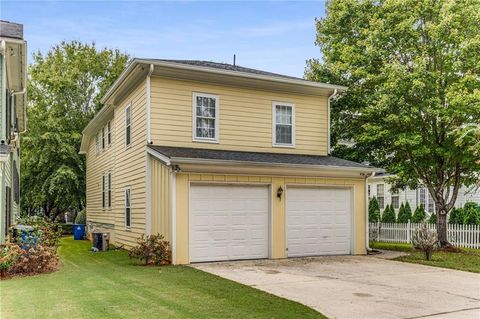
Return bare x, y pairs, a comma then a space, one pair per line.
467, 236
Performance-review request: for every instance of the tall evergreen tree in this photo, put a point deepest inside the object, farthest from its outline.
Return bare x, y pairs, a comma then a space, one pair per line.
373, 210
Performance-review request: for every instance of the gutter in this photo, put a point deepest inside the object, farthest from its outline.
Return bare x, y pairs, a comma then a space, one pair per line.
367, 231
150, 71
329, 142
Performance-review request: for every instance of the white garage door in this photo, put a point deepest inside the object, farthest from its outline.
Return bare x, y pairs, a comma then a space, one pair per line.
228, 222
319, 221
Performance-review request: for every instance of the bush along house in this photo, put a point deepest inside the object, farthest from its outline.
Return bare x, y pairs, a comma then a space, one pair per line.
13, 79
226, 162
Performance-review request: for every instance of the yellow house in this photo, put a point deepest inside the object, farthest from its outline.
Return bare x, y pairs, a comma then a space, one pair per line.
226, 162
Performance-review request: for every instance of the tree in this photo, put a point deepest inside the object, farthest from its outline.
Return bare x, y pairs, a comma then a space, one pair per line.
433, 218
388, 215
65, 87
414, 86
471, 214
456, 216
419, 214
373, 210
404, 213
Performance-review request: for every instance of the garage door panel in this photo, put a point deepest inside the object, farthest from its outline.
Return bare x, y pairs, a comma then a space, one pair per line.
238, 222
319, 221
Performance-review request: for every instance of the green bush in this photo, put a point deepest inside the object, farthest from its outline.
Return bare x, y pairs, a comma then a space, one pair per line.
373, 210
404, 214
471, 214
67, 229
419, 215
456, 216
433, 218
48, 232
81, 218
388, 215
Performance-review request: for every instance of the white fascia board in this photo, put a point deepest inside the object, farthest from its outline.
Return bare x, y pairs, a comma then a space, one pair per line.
164, 159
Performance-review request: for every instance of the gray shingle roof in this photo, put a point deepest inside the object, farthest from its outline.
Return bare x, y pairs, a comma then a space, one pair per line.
225, 66
256, 157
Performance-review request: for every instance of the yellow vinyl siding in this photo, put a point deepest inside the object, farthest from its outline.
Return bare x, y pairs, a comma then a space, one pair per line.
160, 199
128, 168
245, 117
278, 207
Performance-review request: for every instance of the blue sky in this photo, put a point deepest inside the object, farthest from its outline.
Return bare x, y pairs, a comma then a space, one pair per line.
276, 36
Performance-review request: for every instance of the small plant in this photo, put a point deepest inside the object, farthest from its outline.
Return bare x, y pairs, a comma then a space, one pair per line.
419, 215
373, 210
151, 249
404, 214
388, 215
9, 254
456, 216
433, 218
81, 218
425, 240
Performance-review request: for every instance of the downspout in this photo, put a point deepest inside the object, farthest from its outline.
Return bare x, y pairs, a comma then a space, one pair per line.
329, 121
367, 231
150, 71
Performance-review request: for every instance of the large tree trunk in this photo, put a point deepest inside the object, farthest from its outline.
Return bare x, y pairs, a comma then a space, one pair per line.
442, 227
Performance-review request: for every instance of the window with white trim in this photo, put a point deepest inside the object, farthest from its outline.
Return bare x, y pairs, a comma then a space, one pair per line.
128, 208
431, 204
109, 133
128, 125
205, 117
103, 138
109, 190
97, 145
395, 200
422, 198
381, 195
103, 191
284, 124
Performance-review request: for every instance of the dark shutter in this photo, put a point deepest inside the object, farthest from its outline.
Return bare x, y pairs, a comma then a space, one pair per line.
16, 183
8, 208
8, 117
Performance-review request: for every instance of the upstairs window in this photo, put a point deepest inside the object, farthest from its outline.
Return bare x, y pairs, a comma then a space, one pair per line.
205, 117
103, 191
395, 200
109, 133
128, 125
128, 212
97, 145
381, 195
284, 124
431, 204
422, 199
103, 138
109, 190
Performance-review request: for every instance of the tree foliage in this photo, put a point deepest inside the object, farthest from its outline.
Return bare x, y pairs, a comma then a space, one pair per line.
404, 213
65, 87
388, 215
419, 215
373, 210
413, 103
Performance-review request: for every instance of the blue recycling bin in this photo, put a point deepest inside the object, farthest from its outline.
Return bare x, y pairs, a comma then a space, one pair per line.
78, 232
25, 236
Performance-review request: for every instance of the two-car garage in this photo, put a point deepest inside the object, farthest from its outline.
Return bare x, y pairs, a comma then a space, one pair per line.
234, 221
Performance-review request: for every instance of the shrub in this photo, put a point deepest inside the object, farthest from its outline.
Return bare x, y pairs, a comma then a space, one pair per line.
456, 216
47, 232
373, 210
151, 249
471, 214
433, 218
425, 240
81, 218
9, 254
419, 215
404, 214
388, 215
37, 259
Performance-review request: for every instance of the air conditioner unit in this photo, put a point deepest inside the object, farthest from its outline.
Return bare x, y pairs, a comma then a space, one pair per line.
101, 240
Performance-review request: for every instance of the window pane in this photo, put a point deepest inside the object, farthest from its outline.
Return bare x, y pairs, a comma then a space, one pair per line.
284, 134
127, 217
127, 135
109, 136
395, 201
205, 107
127, 198
205, 128
283, 114
127, 116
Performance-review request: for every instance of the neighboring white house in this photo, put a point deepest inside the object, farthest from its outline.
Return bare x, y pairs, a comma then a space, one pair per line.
379, 187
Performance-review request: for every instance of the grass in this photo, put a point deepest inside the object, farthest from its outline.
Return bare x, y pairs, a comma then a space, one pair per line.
108, 285
467, 259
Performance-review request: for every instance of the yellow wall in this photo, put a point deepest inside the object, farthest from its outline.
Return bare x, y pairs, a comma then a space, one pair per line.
278, 210
160, 199
128, 166
245, 117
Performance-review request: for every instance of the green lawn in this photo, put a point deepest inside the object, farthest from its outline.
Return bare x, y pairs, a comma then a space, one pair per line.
466, 260
107, 285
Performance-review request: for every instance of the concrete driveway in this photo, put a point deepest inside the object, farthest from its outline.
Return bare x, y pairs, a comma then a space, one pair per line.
361, 286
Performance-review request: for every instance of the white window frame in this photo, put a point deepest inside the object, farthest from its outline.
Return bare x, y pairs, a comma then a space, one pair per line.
422, 198
129, 125
216, 139
128, 223
431, 203
109, 133
109, 190
396, 196
382, 206
103, 138
274, 124
97, 144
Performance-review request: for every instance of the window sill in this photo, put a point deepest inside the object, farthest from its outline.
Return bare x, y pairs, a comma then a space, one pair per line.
284, 145
200, 140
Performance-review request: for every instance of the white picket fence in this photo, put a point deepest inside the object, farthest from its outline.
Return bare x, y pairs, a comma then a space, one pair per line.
467, 236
